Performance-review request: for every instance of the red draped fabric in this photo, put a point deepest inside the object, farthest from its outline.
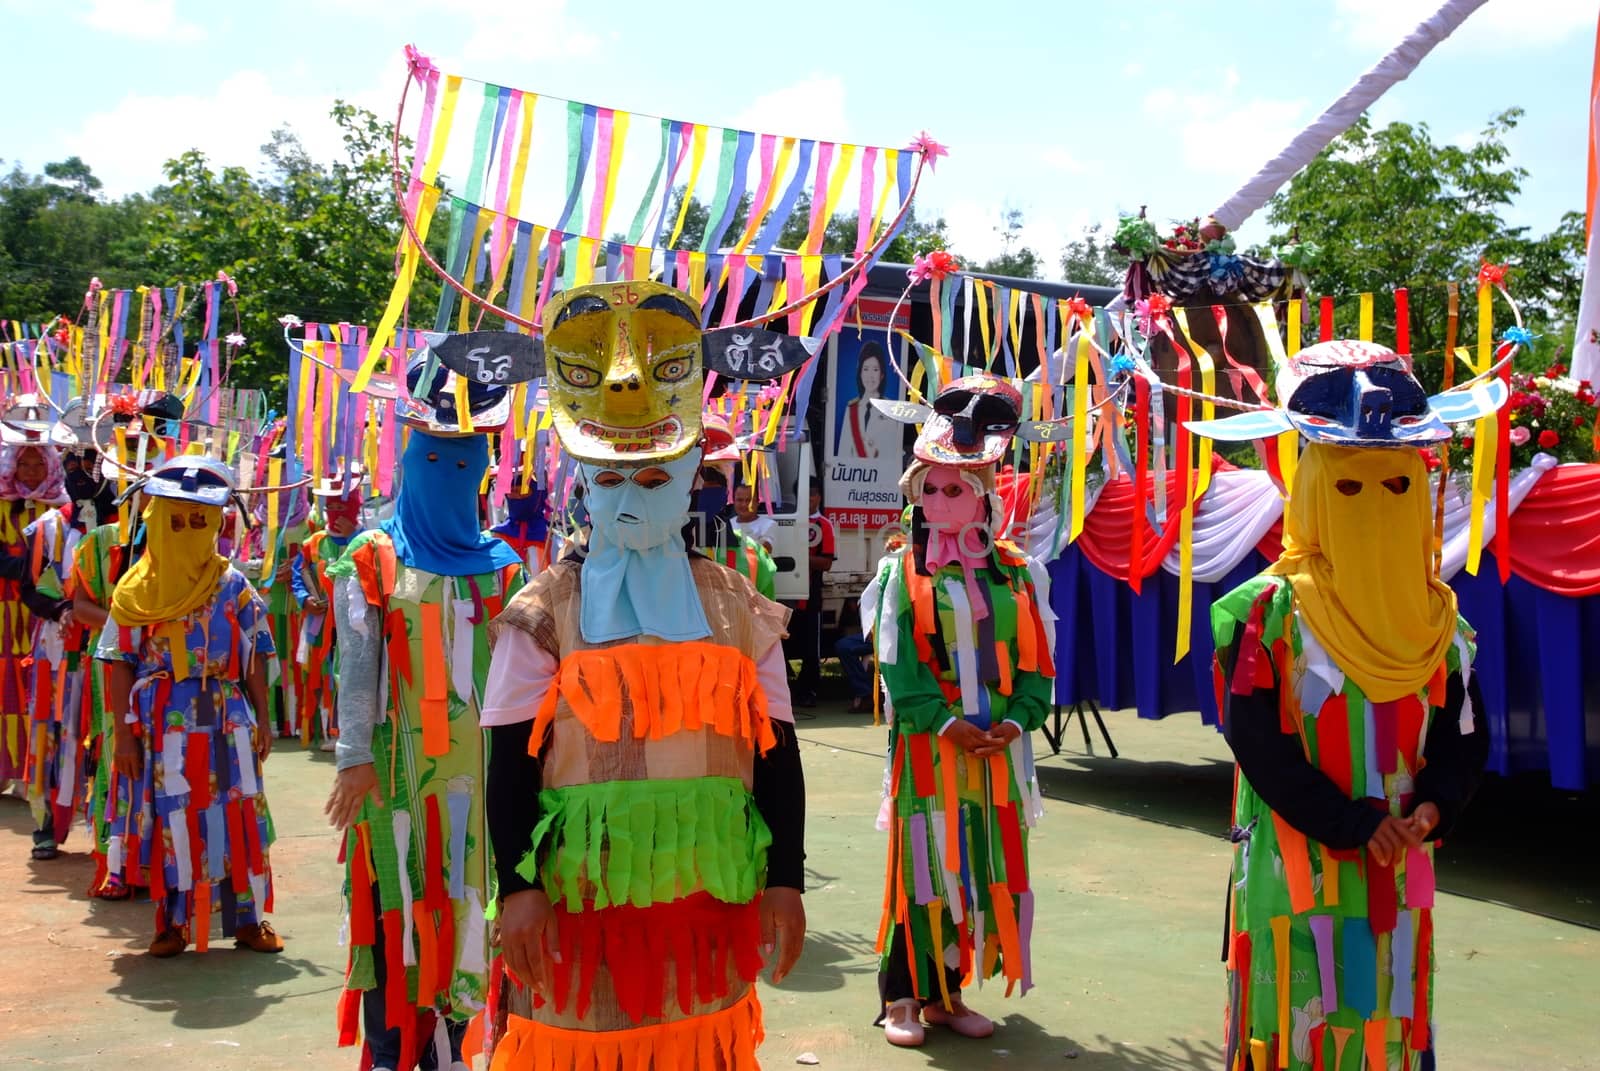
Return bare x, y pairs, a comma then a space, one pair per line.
1555, 533
1108, 530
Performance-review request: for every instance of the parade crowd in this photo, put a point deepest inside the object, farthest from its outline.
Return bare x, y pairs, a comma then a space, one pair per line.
568, 780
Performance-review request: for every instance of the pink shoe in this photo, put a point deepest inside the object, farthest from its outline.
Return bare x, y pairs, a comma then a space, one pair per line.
963, 1020
901, 1025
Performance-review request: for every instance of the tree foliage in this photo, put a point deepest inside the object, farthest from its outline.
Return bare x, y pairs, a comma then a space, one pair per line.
1091, 260
1390, 207
1015, 258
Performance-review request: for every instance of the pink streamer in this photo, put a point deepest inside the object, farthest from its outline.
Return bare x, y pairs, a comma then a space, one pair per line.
864, 205
552, 262
501, 240
819, 187
605, 121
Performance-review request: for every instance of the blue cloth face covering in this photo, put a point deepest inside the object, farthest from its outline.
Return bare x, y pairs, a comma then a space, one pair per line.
637, 578
435, 524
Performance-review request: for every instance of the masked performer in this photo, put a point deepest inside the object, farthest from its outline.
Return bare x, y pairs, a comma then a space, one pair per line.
963, 643
274, 546
414, 598
1344, 678
188, 641
316, 653
31, 482
645, 794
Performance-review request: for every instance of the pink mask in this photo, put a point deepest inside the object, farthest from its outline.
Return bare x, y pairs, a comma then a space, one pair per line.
954, 515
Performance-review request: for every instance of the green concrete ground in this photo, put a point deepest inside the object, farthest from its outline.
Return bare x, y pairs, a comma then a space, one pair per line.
1128, 865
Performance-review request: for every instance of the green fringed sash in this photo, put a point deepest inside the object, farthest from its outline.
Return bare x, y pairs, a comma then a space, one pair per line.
648, 842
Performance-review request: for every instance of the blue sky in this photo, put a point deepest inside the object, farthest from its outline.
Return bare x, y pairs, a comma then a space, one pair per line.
1068, 111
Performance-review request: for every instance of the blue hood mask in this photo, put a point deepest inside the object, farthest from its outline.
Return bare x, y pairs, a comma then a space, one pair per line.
637, 579
435, 524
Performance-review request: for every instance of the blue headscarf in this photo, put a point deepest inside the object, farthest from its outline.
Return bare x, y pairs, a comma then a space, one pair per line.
637, 577
435, 523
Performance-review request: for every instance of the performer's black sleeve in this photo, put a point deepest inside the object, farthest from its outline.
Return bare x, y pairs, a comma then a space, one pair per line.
512, 799
1277, 768
14, 566
41, 605
780, 796
1454, 762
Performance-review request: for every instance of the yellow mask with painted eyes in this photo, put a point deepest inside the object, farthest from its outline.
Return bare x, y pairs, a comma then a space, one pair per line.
624, 367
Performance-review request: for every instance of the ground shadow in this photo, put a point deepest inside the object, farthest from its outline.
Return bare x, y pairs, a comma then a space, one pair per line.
830, 959
1020, 1042
224, 987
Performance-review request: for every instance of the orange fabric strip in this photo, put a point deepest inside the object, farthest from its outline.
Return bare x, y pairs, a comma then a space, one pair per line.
200, 921
1280, 953
726, 1038
1027, 649
1005, 923
427, 953
1002, 657
435, 702
1000, 779
1374, 1034
1296, 854
1330, 877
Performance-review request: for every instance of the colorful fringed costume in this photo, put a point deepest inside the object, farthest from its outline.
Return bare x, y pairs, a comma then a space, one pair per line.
195, 825
958, 888
1344, 679
16, 635
1355, 937
98, 563
62, 715
650, 843
425, 845
315, 653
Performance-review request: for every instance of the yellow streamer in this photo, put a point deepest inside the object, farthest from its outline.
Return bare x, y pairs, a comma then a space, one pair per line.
841, 169
384, 336
619, 136
1364, 319
1485, 444
697, 159
1080, 427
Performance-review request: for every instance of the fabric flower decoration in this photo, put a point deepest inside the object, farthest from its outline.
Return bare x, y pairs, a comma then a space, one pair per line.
1518, 336
420, 65
1137, 235
1150, 310
1520, 435
1549, 439
939, 264
1122, 365
1226, 271
95, 286
235, 340
227, 280
291, 320
931, 150
1078, 309
1492, 274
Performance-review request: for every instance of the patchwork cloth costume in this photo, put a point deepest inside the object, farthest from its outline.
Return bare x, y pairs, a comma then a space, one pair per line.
645, 773
413, 599
194, 824
962, 625
316, 648
1344, 677
24, 429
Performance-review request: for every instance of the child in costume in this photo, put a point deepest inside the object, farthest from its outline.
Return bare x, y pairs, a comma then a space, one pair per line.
646, 800
274, 574
31, 482
413, 599
316, 652
187, 639
1344, 677
964, 649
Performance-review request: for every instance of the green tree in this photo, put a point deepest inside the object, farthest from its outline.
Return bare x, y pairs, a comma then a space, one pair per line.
1391, 207
1091, 260
316, 240
1015, 259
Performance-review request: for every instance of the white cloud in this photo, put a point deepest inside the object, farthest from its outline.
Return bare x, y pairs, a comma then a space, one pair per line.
144, 20
813, 107
1382, 24
128, 143
529, 31
1221, 133
1063, 160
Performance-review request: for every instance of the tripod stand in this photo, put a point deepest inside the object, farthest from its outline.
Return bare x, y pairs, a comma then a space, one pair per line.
1054, 734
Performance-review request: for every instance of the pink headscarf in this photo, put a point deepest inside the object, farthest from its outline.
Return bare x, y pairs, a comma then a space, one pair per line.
52, 491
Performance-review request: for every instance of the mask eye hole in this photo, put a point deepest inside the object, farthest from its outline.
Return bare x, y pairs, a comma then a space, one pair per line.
433, 456
197, 521
177, 523
1398, 484
651, 478
609, 479
461, 464
1348, 487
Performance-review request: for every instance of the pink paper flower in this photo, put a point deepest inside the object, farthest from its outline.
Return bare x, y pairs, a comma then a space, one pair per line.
936, 265
421, 66
1520, 435
226, 280
930, 149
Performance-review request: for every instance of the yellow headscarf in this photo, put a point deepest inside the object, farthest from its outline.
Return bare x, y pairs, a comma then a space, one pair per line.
180, 569
1360, 560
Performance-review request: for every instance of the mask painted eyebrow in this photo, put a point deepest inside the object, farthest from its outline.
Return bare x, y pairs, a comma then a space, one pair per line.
670, 304
580, 307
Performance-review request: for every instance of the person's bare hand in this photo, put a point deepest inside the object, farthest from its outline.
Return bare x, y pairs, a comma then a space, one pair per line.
315, 604
783, 929
353, 786
1424, 820
965, 735
1390, 841
999, 738
529, 940
263, 742
128, 757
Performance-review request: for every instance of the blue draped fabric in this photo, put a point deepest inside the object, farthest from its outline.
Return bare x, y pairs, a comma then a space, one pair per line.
1116, 648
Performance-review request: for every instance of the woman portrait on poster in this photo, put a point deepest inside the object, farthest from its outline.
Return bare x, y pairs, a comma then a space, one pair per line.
863, 430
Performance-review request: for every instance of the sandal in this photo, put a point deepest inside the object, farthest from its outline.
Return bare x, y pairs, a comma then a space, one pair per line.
46, 850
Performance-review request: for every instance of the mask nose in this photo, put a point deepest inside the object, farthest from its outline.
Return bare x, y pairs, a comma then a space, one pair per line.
623, 381
1376, 406
964, 425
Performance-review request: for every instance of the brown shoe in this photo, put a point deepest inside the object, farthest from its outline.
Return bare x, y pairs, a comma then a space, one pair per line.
258, 937
169, 943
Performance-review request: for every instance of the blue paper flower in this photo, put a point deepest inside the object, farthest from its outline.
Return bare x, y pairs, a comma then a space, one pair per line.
1226, 272
1122, 365
1518, 336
